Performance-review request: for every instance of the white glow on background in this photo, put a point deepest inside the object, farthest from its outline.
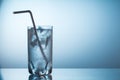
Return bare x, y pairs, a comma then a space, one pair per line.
86, 34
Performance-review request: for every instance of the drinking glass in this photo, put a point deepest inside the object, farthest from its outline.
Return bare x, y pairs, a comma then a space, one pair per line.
40, 50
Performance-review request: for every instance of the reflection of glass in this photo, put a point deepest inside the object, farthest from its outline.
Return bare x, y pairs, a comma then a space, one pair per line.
40, 50
37, 77
0, 75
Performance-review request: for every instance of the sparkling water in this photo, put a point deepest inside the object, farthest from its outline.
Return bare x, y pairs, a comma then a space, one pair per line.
36, 61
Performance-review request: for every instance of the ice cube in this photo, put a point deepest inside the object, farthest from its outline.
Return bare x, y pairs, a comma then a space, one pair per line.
33, 41
44, 33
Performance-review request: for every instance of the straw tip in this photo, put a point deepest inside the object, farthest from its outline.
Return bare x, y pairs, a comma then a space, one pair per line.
14, 12
25, 11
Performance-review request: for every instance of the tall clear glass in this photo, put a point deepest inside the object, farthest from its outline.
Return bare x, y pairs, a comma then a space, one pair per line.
40, 51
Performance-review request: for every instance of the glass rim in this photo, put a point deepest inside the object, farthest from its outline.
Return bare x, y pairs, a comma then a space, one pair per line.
43, 26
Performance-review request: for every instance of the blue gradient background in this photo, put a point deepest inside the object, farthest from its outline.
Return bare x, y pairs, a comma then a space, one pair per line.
86, 32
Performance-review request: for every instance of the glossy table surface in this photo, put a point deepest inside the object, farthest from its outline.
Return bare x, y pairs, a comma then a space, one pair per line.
61, 74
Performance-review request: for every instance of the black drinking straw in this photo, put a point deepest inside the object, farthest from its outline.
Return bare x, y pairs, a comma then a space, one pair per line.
39, 43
